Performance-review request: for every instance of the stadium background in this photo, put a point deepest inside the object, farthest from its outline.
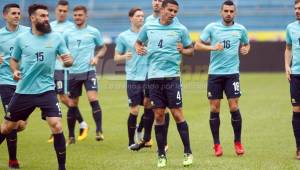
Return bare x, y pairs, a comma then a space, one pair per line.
265, 19
265, 105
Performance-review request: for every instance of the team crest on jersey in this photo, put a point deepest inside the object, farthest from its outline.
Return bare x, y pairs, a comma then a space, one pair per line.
172, 33
49, 44
88, 35
235, 34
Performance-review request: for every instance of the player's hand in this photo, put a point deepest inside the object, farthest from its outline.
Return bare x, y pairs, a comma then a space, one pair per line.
288, 73
94, 61
128, 55
141, 50
179, 47
17, 75
218, 47
67, 60
1, 58
244, 50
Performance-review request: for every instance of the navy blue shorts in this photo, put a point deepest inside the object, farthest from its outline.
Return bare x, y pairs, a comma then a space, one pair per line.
135, 92
22, 105
88, 79
217, 84
295, 90
146, 89
6, 93
61, 81
165, 92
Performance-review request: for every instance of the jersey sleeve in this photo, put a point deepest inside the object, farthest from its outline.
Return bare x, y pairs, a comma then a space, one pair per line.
186, 40
244, 38
98, 39
143, 37
206, 34
288, 38
120, 45
17, 51
62, 47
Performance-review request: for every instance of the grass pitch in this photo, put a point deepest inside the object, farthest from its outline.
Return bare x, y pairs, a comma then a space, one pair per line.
267, 131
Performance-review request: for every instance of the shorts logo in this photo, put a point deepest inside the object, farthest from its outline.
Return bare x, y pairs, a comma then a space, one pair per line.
293, 101
152, 103
129, 101
8, 115
209, 94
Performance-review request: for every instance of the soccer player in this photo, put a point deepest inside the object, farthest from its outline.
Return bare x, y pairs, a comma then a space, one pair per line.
167, 42
32, 63
82, 40
292, 69
136, 71
61, 73
156, 5
8, 34
225, 39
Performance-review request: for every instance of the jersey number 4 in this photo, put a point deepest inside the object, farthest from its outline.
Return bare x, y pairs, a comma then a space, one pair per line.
160, 43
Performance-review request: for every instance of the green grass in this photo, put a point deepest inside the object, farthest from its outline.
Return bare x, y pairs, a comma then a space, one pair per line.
267, 131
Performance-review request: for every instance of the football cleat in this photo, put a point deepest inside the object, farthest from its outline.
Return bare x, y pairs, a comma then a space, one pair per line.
70, 141
99, 136
83, 133
13, 164
239, 149
188, 159
51, 139
162, 161
218, 150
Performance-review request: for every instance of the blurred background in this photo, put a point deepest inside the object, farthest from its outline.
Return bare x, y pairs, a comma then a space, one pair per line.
265, 20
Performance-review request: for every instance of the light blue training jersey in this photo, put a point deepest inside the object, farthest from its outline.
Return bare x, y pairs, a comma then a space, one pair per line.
7, 44
137, 67
293, 39
226, 61
60, 27
37, 56
164, 58
82, 43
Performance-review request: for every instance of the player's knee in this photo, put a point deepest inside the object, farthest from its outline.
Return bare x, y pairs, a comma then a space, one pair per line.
147, 103
56, 127
92, 98
5, 129
134, 110
73, 103
178, 116
159, 118
214, 108
21, 126
296, 108
233, 107
64, 100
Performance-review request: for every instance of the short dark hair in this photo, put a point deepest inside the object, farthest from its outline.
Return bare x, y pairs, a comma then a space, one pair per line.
166, 2
63, 3
80, 7
297, 1
133, 10
228, 2
8, 6
34, 7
